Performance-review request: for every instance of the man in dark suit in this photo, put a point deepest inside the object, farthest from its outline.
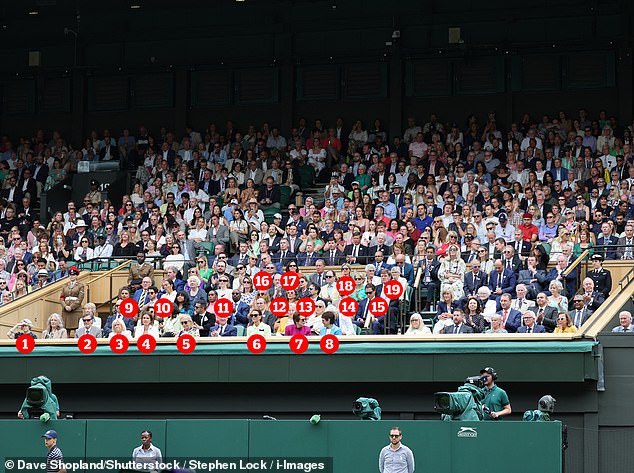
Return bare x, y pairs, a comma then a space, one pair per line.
592, 299
521, 247
607, 243
168, 154
40, 170
569, 281
406, 269
429, 274
379, 262
13, 192
510, 260
270, 194
363, 311
284, 255
332, 255
501, 280
458, 324
222, 328
27, 185
532, 278
474, 279
511, 318
601, 276
545, 314
355, 252
380, 246
579, 314
109, 151
308, 257
529, 324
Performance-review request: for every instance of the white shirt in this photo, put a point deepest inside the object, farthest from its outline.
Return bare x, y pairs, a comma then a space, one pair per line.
149, 458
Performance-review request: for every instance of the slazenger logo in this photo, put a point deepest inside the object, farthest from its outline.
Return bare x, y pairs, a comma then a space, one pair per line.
467, 432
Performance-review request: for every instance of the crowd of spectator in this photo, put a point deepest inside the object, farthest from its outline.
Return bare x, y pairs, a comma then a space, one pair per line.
479, 210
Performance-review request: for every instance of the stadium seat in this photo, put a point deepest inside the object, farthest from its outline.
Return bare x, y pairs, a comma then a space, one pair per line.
240, 330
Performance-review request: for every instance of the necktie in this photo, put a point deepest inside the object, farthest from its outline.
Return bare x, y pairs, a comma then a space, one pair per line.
624, 329
222, 330
355, 252
528, 330
332, 257
578, 319
456, 328
505, 315
143, 295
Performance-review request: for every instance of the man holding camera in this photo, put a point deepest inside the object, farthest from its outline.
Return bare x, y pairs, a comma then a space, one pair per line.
495, 399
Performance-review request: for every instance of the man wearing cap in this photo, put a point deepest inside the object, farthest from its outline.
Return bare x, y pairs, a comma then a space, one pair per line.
71, 299
504, 229
54, 457
495, 398
396, 197
600, 276
530, 232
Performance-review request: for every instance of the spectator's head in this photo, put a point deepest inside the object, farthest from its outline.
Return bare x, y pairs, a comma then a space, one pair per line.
542, 299
588, 286
457, 316
625, 319
529, 318
505, 301
499, 266
328, 319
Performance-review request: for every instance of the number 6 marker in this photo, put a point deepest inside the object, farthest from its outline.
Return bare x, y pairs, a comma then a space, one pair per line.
256, 344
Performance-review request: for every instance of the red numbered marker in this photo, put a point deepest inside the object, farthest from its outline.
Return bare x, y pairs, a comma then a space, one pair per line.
290, 281
306, 306
279, 307
129, 307
186, 343
262, 281
345, 285
25, 344
87, 343
393, 289
256, 344
298, 344
163, 308
223, 308
329, 344
146, 343
348, 307
378, 306
119, 344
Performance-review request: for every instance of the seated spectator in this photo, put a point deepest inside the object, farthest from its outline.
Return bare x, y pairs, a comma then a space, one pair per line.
54, 328
88, 328
592, 299
222, 328
473, 315
147, 325
188, 328
298, 327
25, 327
416, 326
257, 325
529, 324
564, 324
579, 314
625, 323
555, 299
545, 314
90, 310
119, 328
457, 326
496, 325
329, 327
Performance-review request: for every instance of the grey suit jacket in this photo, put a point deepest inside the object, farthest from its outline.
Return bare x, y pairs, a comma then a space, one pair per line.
222, 236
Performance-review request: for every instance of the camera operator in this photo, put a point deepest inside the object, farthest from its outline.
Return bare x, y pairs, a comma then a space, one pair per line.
496, 399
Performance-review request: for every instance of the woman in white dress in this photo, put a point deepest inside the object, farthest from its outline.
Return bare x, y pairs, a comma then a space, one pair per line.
451, 273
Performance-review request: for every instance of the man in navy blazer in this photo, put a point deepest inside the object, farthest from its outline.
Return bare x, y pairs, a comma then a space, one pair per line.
474, 279
607, 243
529, 324
407, 270
363, 311
501, 280
146, 283
511, 318
222, 328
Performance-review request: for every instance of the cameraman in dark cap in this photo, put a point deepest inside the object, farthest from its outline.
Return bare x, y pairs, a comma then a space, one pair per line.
495, 399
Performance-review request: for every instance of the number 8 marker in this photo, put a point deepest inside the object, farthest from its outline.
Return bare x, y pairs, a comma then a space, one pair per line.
329, 344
